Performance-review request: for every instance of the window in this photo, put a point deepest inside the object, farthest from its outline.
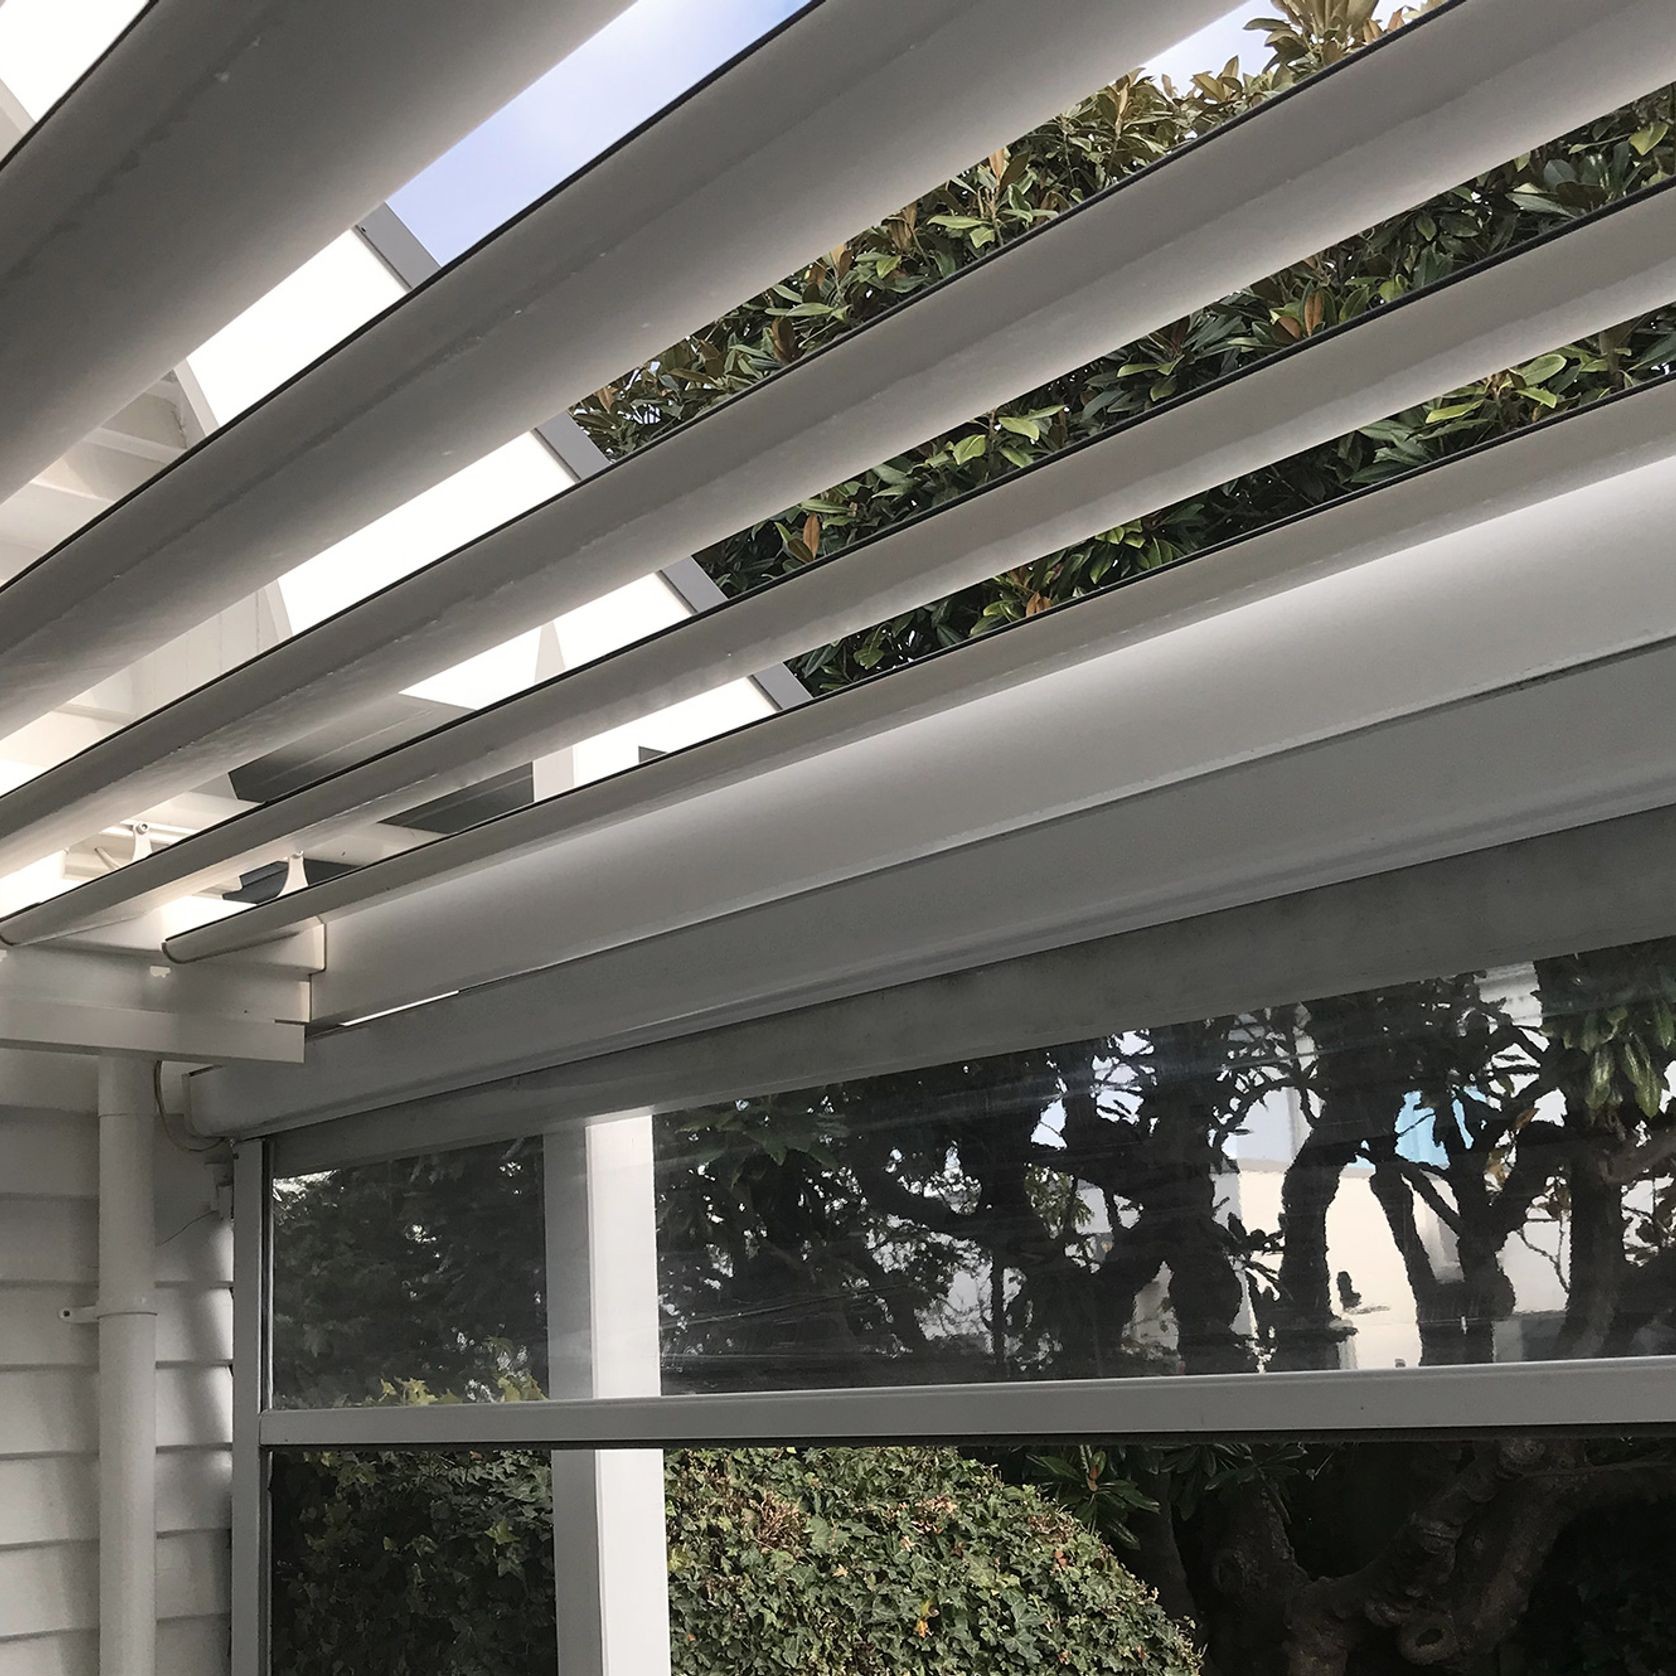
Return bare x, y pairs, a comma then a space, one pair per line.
414, 1278
1465, 1170
1542, 1553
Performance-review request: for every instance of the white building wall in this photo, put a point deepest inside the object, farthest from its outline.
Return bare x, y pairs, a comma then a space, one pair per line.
49, 1553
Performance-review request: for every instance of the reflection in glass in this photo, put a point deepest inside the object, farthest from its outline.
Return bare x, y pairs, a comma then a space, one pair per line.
1463, 1170
421, 1278
1469, 1169
412, 1563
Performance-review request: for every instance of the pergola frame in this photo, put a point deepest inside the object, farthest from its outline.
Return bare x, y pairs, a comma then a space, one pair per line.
555, 973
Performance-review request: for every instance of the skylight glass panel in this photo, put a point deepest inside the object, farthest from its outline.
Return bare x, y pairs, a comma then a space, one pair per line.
306, 314
46, 45
629, 71
500, 485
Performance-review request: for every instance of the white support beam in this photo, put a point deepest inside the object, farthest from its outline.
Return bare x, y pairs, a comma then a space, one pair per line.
1595, 886
252, 1392
602, 1300
1581, 450
70, 1027
140, 216
1453, 94
126, 1312
1597, 272
88, 1001
655, 238
1449, 781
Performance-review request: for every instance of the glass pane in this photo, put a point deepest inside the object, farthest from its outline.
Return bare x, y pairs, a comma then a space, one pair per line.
1471, 1169
1464, 1170
418, 1279
408, 1563
1543, 1555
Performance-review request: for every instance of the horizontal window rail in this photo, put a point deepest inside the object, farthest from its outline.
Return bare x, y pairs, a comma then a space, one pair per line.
1631, 1394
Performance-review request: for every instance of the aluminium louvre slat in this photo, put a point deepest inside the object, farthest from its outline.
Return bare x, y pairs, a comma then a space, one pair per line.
210, 152
1575, 450
1617, 263
1449, 96
844, 114
1416, 785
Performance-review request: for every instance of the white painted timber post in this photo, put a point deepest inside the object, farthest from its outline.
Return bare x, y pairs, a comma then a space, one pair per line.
602, 1300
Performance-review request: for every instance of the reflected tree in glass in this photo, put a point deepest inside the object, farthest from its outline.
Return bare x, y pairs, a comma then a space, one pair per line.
1488, 1153
425, 1275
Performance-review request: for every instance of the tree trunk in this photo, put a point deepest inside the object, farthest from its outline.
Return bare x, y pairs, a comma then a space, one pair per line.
1597, 1258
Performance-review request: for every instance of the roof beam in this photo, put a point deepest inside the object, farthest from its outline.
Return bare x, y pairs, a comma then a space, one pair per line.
1496, 607
209, 153
656, 237
1451, 95
1518, 472
1588, 887
1614, 264
1441, 783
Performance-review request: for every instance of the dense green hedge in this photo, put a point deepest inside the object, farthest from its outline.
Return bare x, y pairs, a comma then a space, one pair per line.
412, 1564
871, 1562
827, 1562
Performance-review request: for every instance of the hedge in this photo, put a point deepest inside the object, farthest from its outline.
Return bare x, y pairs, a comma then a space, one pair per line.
828, 1562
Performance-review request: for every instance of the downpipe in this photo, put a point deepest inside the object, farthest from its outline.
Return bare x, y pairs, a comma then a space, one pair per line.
126, 1313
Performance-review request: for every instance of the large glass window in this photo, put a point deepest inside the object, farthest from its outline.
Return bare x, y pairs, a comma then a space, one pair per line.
412, 1563
1539, 1554
412, 1280
1464, 1170
1469, 1169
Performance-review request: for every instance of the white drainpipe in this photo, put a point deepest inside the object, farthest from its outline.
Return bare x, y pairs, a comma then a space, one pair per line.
127, 1315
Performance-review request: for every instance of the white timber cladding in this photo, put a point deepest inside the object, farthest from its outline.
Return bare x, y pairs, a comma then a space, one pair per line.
49, 1538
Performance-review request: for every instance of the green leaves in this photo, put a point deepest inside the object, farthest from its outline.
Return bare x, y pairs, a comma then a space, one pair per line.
1646, 140
881, 1561
1453, 410
1542, 368
1105, 139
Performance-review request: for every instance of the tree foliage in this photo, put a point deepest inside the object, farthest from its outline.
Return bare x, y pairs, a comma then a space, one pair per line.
1073, 1212
1105, 140
870, 1562
826, 1562
413, 1564
428, 1269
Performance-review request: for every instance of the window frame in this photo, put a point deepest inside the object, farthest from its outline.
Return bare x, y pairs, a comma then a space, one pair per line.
1591, 886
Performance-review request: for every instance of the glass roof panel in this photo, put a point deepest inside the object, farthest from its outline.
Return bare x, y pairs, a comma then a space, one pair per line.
630, 70
45, 45
307, 313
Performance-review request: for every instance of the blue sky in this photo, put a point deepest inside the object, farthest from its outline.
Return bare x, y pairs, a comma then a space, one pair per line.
631, 69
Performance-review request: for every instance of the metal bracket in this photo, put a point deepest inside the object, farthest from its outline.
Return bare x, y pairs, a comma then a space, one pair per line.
90, 1315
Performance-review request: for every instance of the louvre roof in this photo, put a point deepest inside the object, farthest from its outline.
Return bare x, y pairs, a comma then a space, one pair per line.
213, 157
